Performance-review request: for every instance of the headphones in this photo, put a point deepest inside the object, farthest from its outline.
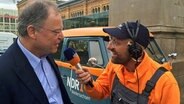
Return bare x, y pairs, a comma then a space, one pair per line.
134, 49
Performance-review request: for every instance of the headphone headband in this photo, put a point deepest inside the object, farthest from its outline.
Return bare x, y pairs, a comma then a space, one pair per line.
135, 50
133, 34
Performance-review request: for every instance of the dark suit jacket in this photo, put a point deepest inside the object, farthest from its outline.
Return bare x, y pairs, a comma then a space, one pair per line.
18, 81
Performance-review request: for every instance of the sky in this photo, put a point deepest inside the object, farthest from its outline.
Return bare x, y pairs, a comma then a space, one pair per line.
8, 4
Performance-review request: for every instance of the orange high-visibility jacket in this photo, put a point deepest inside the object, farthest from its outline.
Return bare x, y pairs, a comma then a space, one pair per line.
166, 90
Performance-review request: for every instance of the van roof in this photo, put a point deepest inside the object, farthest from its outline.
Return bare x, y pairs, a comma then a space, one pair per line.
8, 34
87, 31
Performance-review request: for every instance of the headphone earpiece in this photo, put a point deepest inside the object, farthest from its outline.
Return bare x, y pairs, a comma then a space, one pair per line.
134, 49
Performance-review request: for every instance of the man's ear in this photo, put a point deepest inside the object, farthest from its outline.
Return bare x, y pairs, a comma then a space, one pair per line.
31, 30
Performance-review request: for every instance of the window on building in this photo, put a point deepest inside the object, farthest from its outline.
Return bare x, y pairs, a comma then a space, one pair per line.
7, 26
6, 19
93, 10
81, 13
1, 19
107, 7
1, 27
100, 19
12, 26
98, 10
104, 8
78, 14
12, 20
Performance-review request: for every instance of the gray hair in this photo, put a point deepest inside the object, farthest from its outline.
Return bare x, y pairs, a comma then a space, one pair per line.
34, 14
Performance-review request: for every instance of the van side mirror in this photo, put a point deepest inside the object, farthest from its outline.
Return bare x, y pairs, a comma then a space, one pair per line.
93, 62
171, 57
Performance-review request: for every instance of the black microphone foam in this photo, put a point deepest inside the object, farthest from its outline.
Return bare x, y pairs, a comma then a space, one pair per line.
69, 53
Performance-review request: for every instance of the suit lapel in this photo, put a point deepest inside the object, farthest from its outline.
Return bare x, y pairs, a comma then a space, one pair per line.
27, 75
54, 66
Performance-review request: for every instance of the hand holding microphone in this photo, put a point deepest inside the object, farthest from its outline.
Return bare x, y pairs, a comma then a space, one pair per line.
83, 75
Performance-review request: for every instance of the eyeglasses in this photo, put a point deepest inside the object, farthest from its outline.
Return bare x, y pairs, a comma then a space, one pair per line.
55, 32
113, 42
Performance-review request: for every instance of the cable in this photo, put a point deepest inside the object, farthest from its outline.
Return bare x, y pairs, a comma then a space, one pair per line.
137, 86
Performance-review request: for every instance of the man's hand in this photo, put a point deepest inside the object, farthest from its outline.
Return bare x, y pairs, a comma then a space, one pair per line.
83, 76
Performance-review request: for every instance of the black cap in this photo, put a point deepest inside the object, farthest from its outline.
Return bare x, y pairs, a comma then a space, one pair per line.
121, 32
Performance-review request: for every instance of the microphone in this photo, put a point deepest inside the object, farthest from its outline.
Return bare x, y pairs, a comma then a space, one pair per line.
74, 59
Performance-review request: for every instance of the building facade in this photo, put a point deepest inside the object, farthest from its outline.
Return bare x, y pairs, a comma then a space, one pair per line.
84, 13
80, 13
8, 20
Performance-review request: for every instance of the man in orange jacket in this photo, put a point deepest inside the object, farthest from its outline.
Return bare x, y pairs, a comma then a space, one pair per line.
127, 78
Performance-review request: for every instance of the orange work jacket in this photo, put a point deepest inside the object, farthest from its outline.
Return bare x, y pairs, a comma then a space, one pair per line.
166, 90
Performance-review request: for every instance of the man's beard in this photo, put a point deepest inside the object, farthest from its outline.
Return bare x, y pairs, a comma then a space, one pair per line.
118, 60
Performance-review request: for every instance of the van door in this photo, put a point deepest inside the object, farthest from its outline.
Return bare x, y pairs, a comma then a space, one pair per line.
86, 47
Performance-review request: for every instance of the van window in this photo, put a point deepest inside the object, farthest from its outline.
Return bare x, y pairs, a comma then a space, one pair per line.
86, 48
80, 46
108, 52
95, 51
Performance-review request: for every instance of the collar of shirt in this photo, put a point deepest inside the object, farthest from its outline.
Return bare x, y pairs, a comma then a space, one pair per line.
145, 65
33, 60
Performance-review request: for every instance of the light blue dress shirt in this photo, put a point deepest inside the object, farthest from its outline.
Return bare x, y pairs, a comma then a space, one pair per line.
45, 74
